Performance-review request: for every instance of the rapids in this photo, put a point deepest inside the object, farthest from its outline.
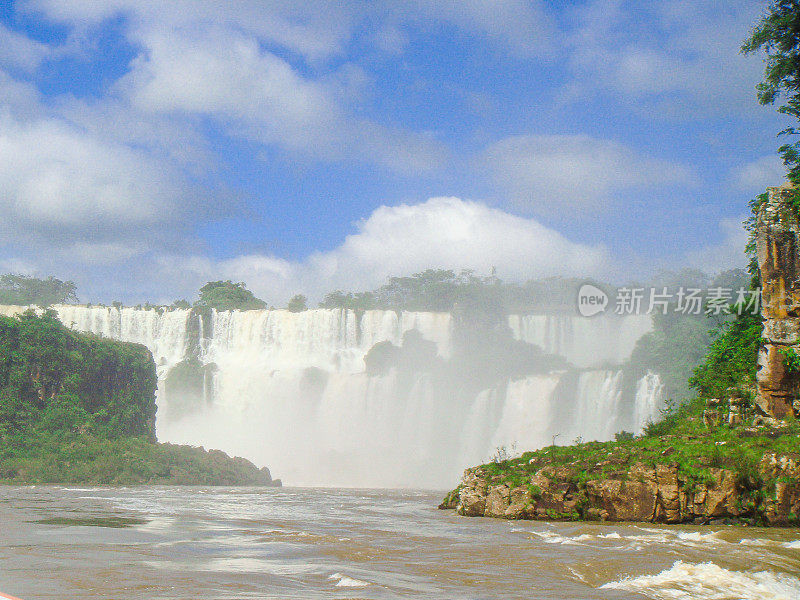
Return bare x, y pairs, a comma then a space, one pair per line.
276, 543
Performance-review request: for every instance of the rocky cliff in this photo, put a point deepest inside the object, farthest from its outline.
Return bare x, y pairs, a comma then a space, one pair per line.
777, 241
693, 471
648, 493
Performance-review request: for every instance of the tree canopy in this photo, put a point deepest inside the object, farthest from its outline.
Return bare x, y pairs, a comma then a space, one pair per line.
778, 35
226, 295
56, 379
298, 303
24, 290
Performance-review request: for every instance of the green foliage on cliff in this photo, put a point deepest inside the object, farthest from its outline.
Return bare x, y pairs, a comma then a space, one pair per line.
777, 35
731, 359
24, 291
226, 295
78, 408
52, 377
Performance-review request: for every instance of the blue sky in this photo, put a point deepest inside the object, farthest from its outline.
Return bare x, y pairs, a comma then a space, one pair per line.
147, 147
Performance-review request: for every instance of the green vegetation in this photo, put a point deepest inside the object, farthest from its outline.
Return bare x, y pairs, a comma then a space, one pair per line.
77, 408
777, 35
39, 456
51, 376
791, 360
440, 290
731, 359
226, 295
298, 303
24, 291
181, 304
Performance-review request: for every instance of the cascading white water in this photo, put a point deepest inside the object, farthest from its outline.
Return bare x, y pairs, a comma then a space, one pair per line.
527, 410
648, 401
290, 390
585, 342
162, 332
11, 310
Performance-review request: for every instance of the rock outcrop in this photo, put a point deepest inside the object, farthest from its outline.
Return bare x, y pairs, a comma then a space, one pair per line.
784, 503
657, 493
777, 245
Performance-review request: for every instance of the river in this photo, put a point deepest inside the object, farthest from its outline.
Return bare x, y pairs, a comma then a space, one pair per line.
237, 543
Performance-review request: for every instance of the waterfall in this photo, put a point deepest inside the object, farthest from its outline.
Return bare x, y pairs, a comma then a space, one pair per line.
12, 310
585, 342
162, 332
597, 409
648, 401
527, 410
289, 390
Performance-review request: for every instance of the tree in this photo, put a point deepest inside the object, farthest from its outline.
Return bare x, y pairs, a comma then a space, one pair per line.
52, 377
778, 34
24, 290
226, 295
298, 303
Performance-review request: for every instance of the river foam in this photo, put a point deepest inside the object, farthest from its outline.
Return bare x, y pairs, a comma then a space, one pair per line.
709, 581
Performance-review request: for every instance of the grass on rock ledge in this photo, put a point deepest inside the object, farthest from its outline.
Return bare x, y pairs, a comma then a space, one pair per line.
680, 439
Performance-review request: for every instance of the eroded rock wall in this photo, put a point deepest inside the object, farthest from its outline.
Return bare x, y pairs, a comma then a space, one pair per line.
777, 247
649, 493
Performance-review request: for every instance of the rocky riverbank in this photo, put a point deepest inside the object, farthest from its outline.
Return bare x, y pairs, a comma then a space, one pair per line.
698, 474
647, 493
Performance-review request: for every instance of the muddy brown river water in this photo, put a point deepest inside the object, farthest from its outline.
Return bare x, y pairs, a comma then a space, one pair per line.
232, 543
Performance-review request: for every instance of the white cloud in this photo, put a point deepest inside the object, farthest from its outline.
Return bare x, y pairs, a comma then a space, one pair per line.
108, 253
391, 40
757, 175
259, 96
445, 233
17, 97
59, 180
670, 58
547, 173
204, 59
315, 29
20, 52
320, 29
522, 26
17, 266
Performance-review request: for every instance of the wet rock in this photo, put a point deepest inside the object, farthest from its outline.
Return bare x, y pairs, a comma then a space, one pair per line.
633, 499
472, 496
721, 495
778, 253
497, 501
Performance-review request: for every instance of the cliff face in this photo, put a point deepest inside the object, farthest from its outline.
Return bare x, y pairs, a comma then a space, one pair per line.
777, 243
656, 493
